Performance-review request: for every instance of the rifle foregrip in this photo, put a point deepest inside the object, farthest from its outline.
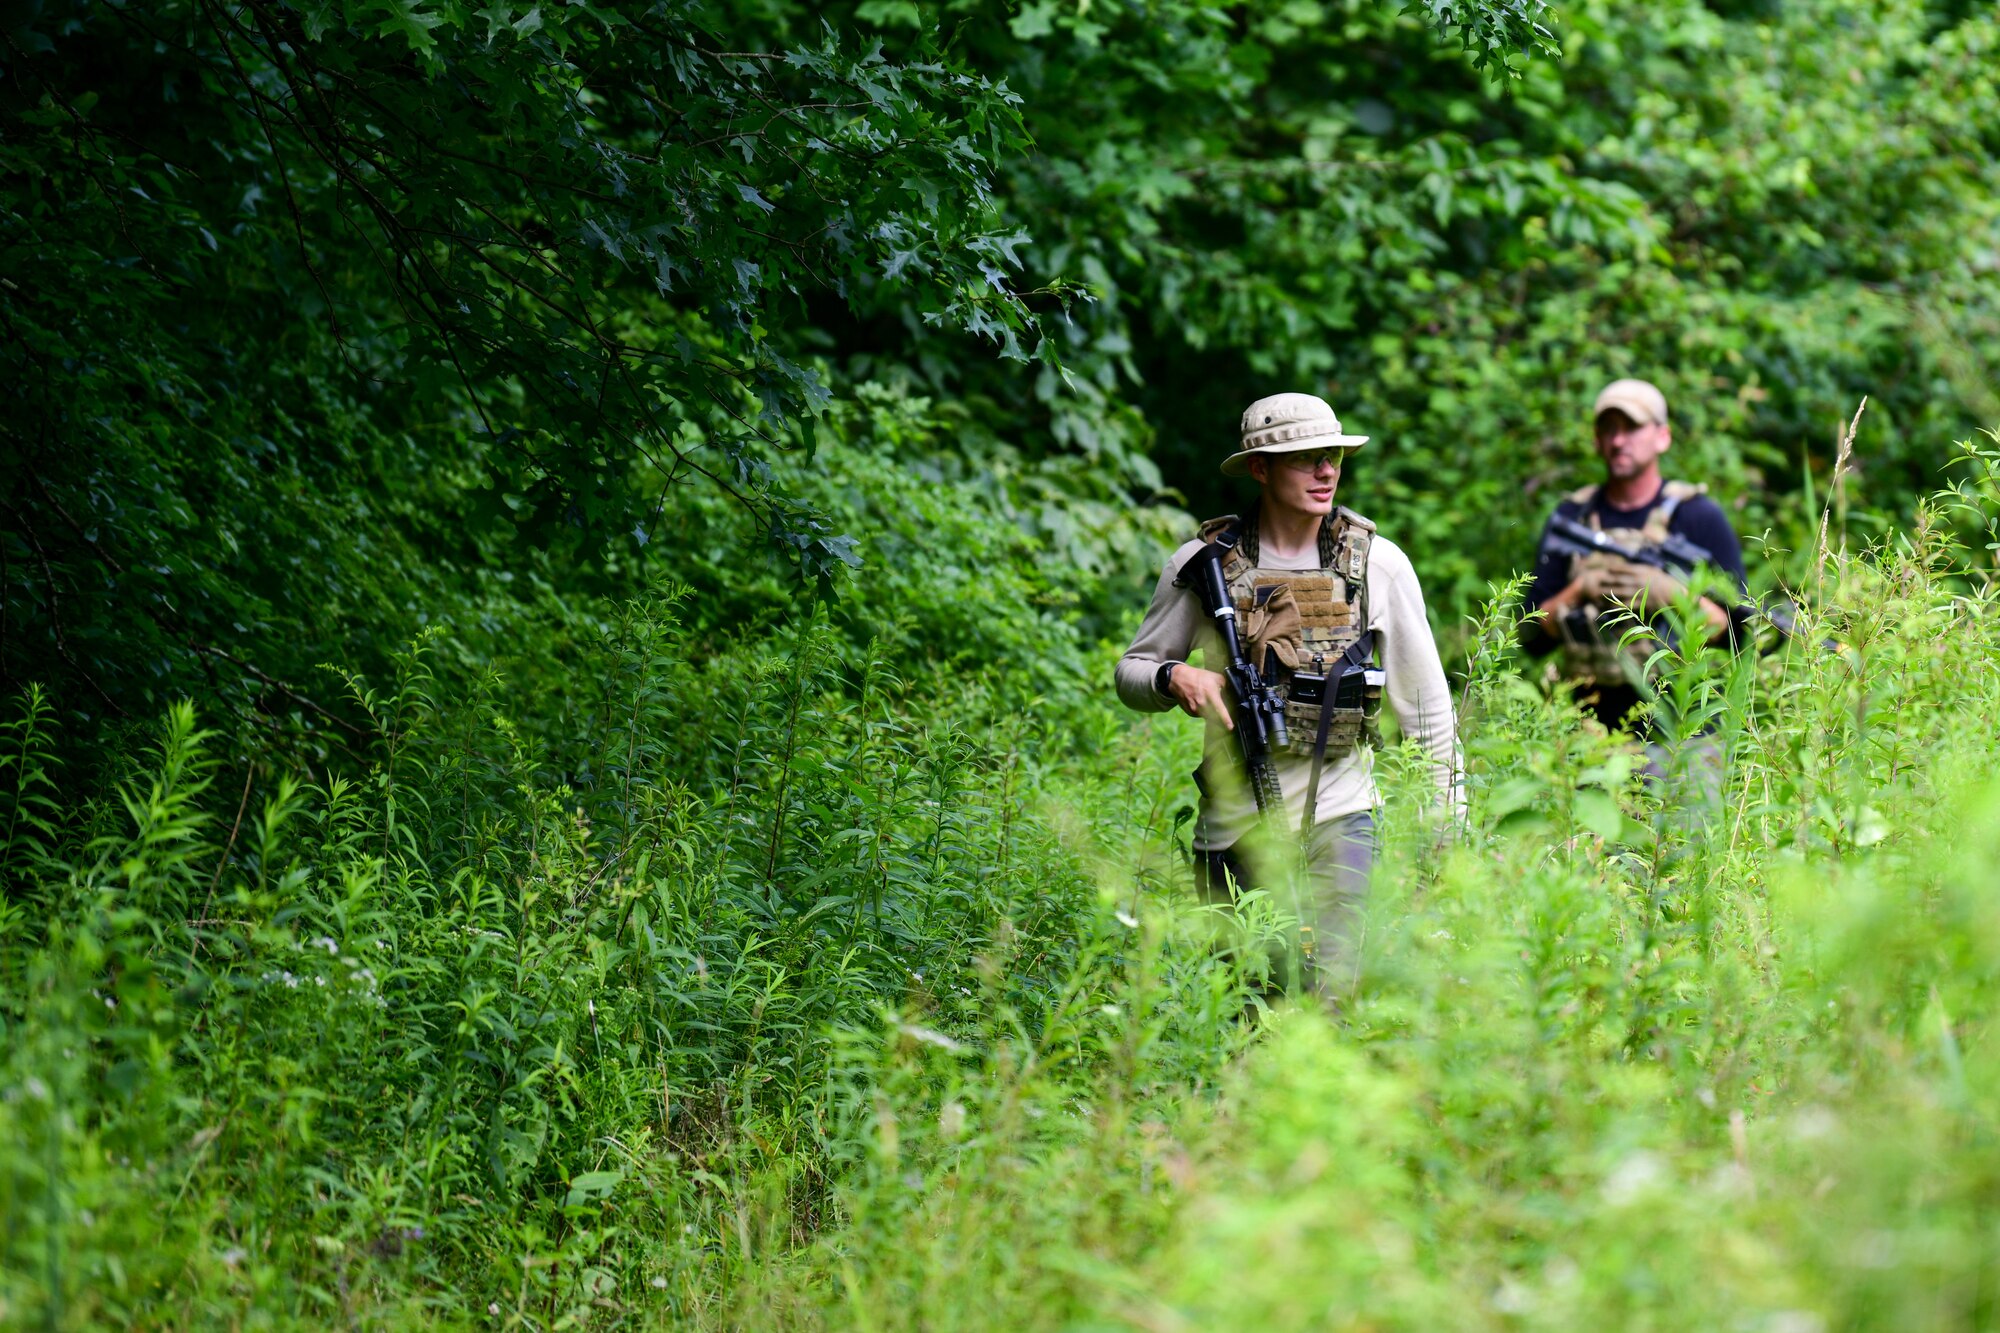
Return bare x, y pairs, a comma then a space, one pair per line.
1264, 786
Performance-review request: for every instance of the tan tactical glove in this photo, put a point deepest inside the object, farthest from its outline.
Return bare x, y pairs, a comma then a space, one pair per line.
1637, 585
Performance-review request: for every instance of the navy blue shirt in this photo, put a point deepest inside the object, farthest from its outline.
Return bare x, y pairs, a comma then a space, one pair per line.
1698, 519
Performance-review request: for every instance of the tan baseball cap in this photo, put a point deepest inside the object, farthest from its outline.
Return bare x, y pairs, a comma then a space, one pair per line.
1637, 399
1286, 423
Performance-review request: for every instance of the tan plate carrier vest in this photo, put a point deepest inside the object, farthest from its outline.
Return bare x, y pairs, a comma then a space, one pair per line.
1310, 617
1596, 654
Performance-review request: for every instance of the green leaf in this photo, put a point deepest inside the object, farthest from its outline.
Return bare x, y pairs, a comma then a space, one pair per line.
1033, 21
405, 18
1598, 811
1611, 774
890, 14
1512, 795
592, 1186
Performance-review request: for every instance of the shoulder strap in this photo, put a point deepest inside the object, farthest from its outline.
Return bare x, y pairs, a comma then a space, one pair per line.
1671, 495
1215, 527
1237, 560
1352, 536
1581, 498
1350, 560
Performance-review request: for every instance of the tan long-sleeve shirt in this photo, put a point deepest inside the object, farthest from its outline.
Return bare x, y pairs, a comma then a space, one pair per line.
1413, 680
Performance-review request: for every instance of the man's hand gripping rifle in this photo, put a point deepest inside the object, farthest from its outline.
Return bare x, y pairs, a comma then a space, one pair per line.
1260, 709
1676, 555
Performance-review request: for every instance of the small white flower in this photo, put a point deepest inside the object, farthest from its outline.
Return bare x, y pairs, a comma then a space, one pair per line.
1796, 1321
1634, 1176
1812, 1123
1514, 1297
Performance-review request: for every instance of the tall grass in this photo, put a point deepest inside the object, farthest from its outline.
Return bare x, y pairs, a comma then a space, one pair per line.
465, 1038
819, 998
1617, 1056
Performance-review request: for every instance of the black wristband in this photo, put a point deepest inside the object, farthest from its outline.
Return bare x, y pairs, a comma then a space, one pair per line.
1161, 677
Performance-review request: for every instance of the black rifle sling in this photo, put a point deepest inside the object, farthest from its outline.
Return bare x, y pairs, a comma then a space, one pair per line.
1357, 657
1309, 817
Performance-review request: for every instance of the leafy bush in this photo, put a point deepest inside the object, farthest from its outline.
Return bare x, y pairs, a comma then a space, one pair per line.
459, 1035
1658, 1071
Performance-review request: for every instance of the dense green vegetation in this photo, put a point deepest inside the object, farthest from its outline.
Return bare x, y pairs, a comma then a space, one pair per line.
557, 584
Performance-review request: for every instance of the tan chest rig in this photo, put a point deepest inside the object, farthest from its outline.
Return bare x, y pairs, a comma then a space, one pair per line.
1595, 648
1309, 619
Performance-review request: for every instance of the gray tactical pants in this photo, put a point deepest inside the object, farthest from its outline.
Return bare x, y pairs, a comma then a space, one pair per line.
1338, 862
1688, 780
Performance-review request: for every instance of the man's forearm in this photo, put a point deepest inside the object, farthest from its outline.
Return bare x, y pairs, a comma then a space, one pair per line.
1137, 678
1718, 619
1555, 608
1165, 635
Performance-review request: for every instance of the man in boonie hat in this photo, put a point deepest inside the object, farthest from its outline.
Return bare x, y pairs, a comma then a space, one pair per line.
1650, 536
1314, 587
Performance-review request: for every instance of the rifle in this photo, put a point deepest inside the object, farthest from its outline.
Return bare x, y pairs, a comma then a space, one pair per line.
1677, 555
1260, 711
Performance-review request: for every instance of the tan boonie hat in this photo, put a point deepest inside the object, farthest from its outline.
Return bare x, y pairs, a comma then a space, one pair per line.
1286, 423
1637, 399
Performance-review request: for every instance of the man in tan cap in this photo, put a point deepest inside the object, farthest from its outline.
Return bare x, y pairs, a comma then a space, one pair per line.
1319, 598
1628, 544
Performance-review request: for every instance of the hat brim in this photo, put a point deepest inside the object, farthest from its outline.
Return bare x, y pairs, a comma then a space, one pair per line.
1238, 464
1632, 405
